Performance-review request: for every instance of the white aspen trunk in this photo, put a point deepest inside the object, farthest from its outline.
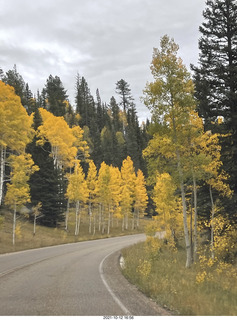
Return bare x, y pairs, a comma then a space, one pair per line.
79, 223
186, 235
123, 222
133, 220
99, 228
212, 223
76, 223
112, 218
195, 218
185, 220
102, 219
108, 230
34, 224
2, 170
126, 221
90, 216
67, 215
94, 224
138, 218
14, 225
180, 171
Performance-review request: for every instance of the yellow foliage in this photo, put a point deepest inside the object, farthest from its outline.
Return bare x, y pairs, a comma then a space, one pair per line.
153, 246
92, 181
77, 187
15, 128
18, 191
128, 183
18, 231
141, 197
201, 276
168, 207
144, 268
65, 142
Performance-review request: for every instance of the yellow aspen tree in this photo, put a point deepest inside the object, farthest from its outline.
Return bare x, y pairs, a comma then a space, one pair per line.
215, 176
77, 192
80, 144
18, 190
128, 189
92, 185
167, 206
104, 193
171, 98
196, 159
141, 197
115, 191
60, 136
15, 128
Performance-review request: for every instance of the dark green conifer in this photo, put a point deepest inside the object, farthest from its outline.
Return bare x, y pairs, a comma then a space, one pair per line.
44, 183
56, 96
216, 79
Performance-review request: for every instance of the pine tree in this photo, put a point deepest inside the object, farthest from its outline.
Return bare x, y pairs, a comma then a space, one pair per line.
56, 96
14, 79
215, 79
124, 91
85, 104
44, 183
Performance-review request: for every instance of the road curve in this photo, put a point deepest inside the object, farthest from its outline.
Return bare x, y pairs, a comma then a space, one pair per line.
71, 279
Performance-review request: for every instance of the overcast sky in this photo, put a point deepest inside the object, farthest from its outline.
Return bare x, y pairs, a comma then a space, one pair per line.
103, 40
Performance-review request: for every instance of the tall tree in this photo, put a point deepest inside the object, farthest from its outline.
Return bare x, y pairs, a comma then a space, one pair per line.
14, 79
56, 96
44, 183
18, 191
77, 192
15, 129
215, 79
128, 189
170, 99
85, 104
124, 91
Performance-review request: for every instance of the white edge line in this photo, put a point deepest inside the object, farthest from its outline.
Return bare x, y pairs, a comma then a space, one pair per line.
121, 305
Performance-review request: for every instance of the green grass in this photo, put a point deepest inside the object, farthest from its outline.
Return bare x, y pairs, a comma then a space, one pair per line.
173, 286
52, 236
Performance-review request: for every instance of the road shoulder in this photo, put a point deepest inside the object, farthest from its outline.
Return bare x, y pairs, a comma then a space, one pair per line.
129, 295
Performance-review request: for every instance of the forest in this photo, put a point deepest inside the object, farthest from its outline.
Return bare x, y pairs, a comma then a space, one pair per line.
179, 169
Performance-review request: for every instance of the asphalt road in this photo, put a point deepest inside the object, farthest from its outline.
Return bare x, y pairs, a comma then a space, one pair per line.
74, 279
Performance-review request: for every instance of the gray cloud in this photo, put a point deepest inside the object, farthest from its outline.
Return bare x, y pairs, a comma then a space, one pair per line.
103, 40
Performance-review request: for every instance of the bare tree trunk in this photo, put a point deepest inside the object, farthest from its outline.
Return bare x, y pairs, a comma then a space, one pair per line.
185, 220
34, 224
123, 222
109, 215
126, 220
99, 208
76, 223
186, 235
14, 225
90, 217
67, 215
102, 219
94, 224
133, 220
2, 170
138, 218
212, 223
195, 218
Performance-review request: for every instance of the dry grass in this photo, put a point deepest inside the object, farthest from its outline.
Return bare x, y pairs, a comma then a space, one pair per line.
52, 236
172, 285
